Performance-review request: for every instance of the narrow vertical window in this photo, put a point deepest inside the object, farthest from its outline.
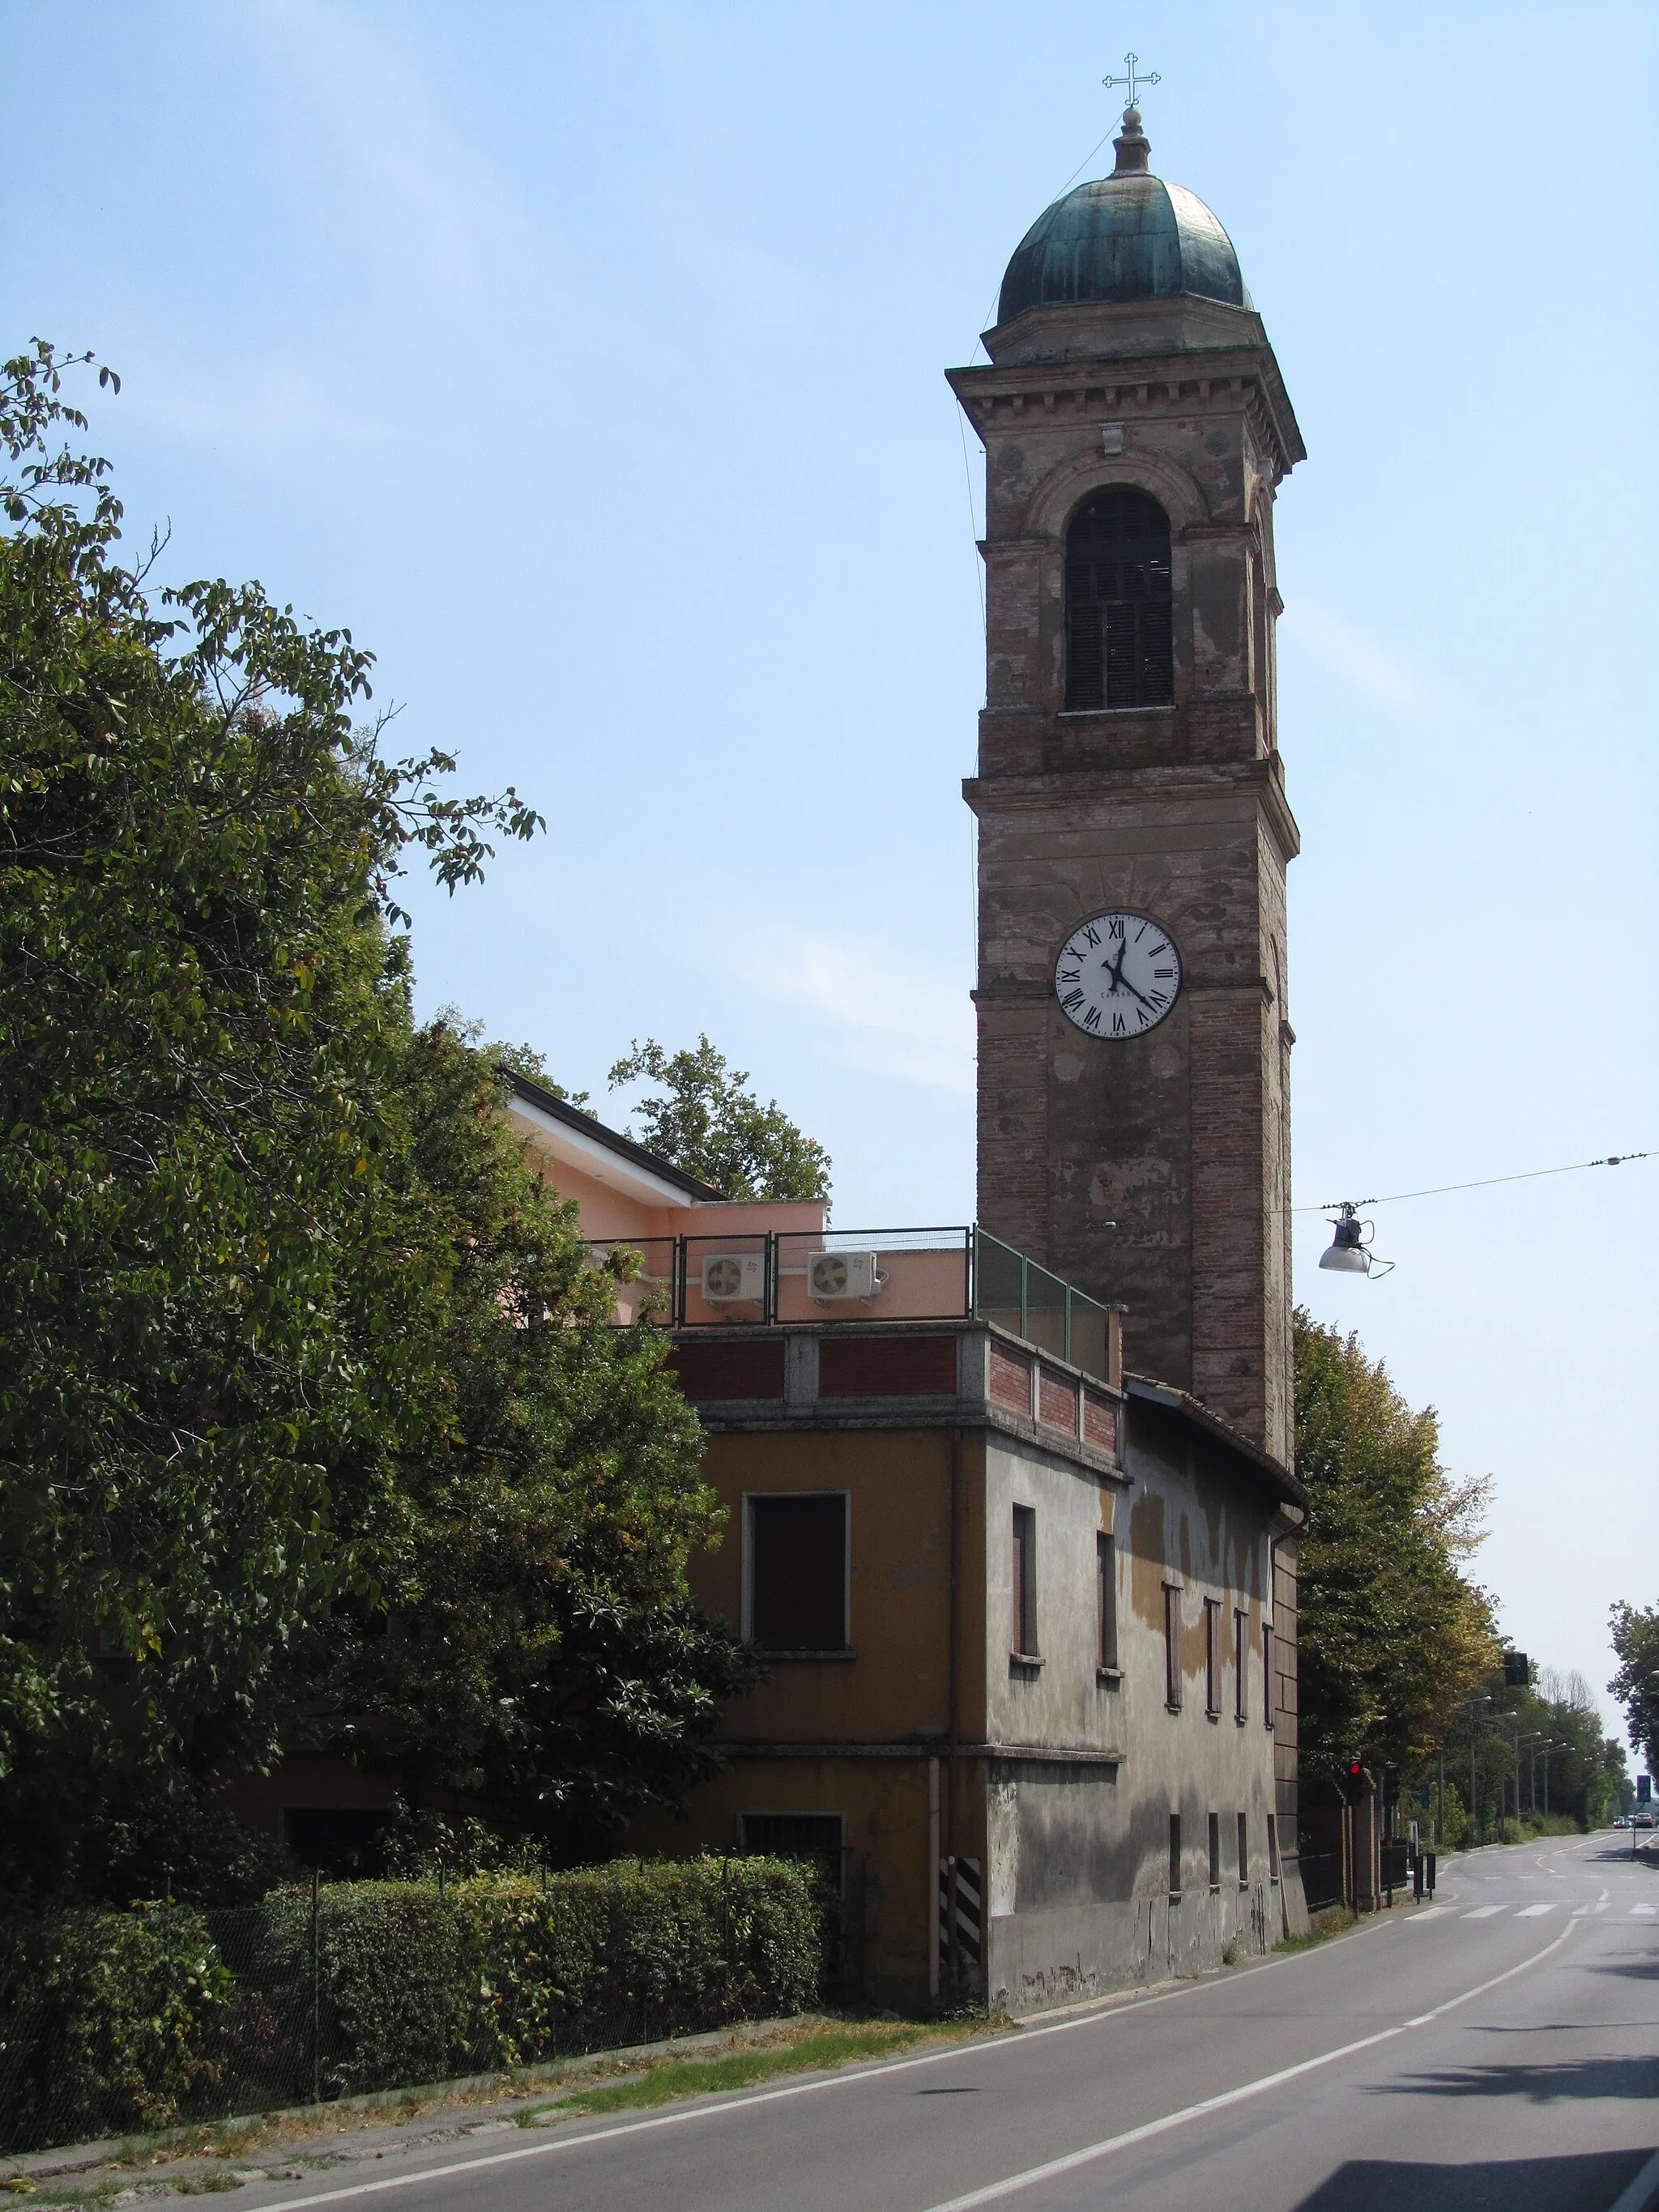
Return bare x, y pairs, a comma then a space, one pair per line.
1106, 1602
1272, 1848
1024, 1567
1172, 1646
1119, 630
1243, 1853
1268, 1673
1212, 1658
1215, 1850
1174, 1854
1241, 1667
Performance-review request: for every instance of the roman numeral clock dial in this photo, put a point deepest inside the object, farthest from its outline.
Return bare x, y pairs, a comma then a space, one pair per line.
1118, 975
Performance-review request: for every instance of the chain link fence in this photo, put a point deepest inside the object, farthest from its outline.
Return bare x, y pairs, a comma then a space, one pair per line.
116, 2023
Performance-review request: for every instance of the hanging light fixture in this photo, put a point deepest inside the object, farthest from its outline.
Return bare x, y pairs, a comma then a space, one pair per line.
1349, 1253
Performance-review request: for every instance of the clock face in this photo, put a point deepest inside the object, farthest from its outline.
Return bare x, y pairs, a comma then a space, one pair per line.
1118, 974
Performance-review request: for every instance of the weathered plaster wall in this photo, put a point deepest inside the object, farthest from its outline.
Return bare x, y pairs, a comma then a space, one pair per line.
1079, 1896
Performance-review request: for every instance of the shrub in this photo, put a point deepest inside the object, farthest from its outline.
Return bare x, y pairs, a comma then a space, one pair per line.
115, 2021
109, 2020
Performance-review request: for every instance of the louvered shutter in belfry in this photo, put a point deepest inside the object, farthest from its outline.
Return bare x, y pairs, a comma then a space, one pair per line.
1118, 614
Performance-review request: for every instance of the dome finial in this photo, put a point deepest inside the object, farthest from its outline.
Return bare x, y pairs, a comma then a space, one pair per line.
1133, 147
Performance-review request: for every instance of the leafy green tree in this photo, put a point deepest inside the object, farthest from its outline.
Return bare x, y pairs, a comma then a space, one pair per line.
1636, 1684
702, 1119
296, 1371
1393, 1636
531, 1644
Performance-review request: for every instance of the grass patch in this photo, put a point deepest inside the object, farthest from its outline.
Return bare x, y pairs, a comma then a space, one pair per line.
1334, 1923
742, 2070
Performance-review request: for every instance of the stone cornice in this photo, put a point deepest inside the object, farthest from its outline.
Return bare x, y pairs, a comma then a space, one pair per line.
1176, 780
1150, 387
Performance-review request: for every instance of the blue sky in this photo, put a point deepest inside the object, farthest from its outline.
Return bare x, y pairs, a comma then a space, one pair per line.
586, 363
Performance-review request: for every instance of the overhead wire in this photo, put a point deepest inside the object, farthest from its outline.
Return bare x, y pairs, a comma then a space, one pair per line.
1484, 1183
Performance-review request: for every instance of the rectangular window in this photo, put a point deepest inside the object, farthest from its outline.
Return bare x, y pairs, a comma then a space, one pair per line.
1106, 1600
1211, 1657
1268, 1673
1243, 1854
1024, 1566
815, 1836
1272, 1848
1174, 1854
1241, 1667
1172, 1646
1215, 1850
797, 1572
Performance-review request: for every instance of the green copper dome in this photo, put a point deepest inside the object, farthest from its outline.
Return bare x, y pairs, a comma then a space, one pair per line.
1128, 236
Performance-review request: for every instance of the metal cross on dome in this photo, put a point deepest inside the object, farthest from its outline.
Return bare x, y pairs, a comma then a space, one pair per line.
1129, 82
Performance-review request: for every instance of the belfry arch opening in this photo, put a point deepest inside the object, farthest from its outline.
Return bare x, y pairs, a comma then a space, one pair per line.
1120, 629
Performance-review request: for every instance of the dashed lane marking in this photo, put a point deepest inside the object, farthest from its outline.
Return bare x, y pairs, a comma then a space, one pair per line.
1532, 1911
1485, 1911
1646, 1911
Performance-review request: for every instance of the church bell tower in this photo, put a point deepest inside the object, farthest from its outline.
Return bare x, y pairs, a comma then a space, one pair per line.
1133, 831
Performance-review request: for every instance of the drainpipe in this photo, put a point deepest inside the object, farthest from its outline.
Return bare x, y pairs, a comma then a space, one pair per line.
931, 1923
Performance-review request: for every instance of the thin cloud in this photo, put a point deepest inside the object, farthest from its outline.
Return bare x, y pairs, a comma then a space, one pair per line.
888, 1020
1349, 655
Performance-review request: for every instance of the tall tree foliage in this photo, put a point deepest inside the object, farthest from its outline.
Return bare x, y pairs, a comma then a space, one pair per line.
286, 1333
1636, 1641
1393, 1635
701, 1117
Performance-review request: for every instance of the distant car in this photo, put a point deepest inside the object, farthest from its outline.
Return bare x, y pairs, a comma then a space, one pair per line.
1621, 1820
1643, 1821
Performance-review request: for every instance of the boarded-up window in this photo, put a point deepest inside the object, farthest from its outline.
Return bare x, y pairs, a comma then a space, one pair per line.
1241, 1666
1267, 1672
1243, 1852
1024, 1576
1106, 1599
1215, 1850
1120, 627
797, 1572
1212, 1656
1174, 1854
1172, 1646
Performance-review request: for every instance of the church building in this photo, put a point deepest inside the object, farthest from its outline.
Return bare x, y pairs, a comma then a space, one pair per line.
1011, 1511
1013, 1515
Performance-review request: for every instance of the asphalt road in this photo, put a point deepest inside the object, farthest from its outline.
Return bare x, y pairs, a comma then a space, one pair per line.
1498, 2049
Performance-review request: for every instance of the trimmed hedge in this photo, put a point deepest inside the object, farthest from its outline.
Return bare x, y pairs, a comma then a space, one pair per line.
115, 2021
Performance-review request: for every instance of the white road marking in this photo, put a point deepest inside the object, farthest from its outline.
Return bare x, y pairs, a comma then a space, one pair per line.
737, 2103
1030, 2178
1485, 1911
1532, 1911
1647, 1909
1584, 1911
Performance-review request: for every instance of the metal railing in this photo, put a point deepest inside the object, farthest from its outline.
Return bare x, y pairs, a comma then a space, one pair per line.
770, 1278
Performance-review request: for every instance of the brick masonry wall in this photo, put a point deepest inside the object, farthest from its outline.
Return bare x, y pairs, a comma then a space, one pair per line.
1180, 1137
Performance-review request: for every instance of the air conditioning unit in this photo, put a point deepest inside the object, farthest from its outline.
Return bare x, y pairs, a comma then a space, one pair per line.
734, 1279
832, 1275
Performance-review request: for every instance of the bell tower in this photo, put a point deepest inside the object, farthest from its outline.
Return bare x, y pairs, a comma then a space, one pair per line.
1133, 1102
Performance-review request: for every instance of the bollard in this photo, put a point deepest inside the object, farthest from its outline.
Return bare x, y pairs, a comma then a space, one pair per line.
1417, 1879
1429, 1869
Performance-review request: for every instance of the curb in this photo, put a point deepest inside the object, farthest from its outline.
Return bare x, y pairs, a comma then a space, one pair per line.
77, 2158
